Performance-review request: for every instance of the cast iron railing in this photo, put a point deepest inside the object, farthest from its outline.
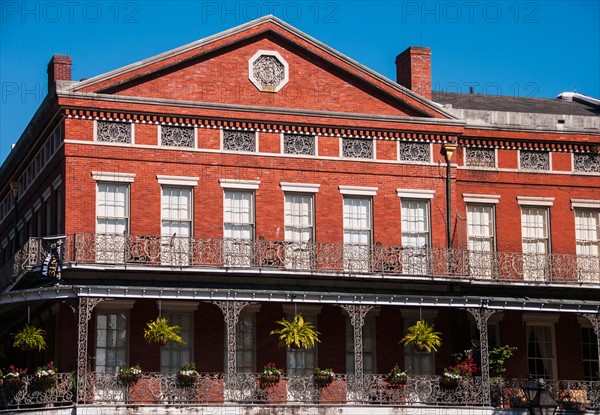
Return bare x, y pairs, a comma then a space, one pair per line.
355, 260
210, 388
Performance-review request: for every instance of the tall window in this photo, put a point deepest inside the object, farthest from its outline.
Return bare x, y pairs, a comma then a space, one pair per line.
415, 236
299, 230
589, 344
111, 340
587, 235
303, 361
480, 234
246, 343
112, 210
176, 225
173, 355
536, 242
238, 227
421, 362
541, 353
368, 340
357, 233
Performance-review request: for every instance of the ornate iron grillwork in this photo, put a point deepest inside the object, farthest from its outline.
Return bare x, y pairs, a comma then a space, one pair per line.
239, 140
534, 160
299, 144
357, 148
268, 72
113, 132
586, 162
177, 136
420, 152
480, 157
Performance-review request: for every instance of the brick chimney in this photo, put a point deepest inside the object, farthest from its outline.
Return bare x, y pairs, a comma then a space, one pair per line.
413, 70
59, 69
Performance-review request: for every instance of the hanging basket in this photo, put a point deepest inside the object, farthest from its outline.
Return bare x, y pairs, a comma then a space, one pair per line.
323, 380
266, 381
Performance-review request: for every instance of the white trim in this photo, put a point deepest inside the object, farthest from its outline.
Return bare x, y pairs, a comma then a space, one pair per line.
57, 182
177, 180
358, 190
538, 319
585, 203
535, 201
106, 176
476, 198
47, 193
286, 70
172, 305
415, 193
299, 187
239, 184
116, 305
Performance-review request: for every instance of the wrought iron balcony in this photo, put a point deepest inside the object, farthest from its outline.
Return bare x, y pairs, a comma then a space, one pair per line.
213, 388
350, 260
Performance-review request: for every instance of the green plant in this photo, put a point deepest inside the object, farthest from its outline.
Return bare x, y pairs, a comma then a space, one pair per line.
30, 338
323, 372
297, 333
159, 331
423, 337
497, 357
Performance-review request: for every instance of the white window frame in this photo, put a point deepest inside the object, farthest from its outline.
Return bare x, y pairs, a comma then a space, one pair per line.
588, 246
535, 264
175, 249
310, 313
298, 248
414, 358
481, 261
239, 252
532, 324
415, 259
173, 355
357, 256
114, 307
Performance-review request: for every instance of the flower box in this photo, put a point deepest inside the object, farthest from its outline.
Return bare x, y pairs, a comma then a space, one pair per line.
323, 380
449, 382
268, 380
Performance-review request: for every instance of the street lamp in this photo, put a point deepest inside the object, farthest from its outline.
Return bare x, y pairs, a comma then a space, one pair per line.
540, 401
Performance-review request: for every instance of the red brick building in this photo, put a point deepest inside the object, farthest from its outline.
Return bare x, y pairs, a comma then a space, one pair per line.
257, 174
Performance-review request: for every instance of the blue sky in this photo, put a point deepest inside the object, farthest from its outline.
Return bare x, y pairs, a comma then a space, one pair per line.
516, 48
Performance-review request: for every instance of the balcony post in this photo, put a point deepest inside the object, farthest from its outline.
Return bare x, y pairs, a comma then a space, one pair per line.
231, 313
84, 314
482, 316
595, 320
357, 315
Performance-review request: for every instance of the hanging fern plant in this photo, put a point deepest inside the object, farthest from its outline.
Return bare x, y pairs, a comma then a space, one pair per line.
30, 338
297, 334
160, 332
423, 337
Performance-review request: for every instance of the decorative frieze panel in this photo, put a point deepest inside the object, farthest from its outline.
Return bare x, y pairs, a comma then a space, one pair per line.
239, 140
357, 148
586, 162
480, 157
177, 136
534, 160
113, 132
419, 152
299, 144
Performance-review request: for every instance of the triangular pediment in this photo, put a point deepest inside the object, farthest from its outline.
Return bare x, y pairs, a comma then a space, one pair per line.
263, 64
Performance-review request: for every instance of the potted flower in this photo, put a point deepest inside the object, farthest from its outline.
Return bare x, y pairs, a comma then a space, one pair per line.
454, 374
45, 376
30, 338
160, 332
129, 375
15, 377
297, 334
397, 377
323, 377
270, 376
187, 374
423, 337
